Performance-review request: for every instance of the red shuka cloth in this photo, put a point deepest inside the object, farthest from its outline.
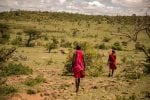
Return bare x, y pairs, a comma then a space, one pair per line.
112, 61
78, 65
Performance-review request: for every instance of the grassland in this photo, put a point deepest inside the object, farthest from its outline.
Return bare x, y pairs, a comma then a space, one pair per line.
70, 28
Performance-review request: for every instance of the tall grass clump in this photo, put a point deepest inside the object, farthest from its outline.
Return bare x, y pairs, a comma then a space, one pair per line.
6, 90
32, 82
117, 46
15, 69
17, 41
92, 59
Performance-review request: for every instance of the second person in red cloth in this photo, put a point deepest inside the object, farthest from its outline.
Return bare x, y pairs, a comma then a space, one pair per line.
112, 62
78, 66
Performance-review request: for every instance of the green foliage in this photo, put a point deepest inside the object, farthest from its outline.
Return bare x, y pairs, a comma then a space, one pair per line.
92, 59
55, 41
45, 37
2, 81
32, 34
117, 46
52, 45
132, 70
131, 97
66, 44
106, 39
75, 32
139, 46
124, 43
103, 46
32, 82
5, 53
4, 33
50, 61
17, 41
6, 90
15, 69
147, 68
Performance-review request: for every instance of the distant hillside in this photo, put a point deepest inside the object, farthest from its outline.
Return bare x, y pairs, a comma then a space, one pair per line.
38, 16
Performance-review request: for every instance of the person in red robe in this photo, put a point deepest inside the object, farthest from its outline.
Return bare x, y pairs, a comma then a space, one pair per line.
112, 62
78, 66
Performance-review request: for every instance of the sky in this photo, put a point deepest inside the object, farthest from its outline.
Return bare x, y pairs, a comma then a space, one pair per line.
90, 7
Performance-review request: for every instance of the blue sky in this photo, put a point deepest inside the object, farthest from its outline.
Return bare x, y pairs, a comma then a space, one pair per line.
92, 7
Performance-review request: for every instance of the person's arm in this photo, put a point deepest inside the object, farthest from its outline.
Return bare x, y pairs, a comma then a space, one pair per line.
108, 60
73, 60
84, 62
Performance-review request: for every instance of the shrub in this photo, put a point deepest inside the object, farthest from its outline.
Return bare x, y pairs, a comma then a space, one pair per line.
5, 53
139, 46
132, 70
32, 82
117, 46
65, 43
45, 37
15, 69
19, 33
92, 59
106, 39
124, 43
33, 34
102, 46
50, 61
4, 33
17, 41
52, 45
5, 90
75, 32
147, 68
31, 91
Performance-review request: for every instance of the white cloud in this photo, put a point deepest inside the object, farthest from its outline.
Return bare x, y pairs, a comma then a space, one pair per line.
129, 3
96, 3
62, 1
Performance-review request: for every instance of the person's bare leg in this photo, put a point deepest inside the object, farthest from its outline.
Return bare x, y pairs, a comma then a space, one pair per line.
112, 72
77, 87
109, 73
78, 84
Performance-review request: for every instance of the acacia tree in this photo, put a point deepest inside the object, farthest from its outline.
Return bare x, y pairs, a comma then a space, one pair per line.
52, 45
139, 25
33, 34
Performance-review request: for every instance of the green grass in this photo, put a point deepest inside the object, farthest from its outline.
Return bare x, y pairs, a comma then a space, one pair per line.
6, 90
15, 69
33, 82
31, 91
93, 29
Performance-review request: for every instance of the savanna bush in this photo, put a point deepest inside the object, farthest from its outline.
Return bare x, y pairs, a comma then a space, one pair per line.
6, 90
132, 70
92, 59
4, 33
32, 82
103, 46
117, 46
147, 68
15, 69
65, 43
17, 41
106, 39
124, 43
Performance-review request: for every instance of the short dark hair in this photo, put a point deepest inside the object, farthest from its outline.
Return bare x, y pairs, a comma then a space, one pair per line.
78, 47
113, 51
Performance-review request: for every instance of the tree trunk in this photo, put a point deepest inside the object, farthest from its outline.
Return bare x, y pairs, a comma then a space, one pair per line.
29, 40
